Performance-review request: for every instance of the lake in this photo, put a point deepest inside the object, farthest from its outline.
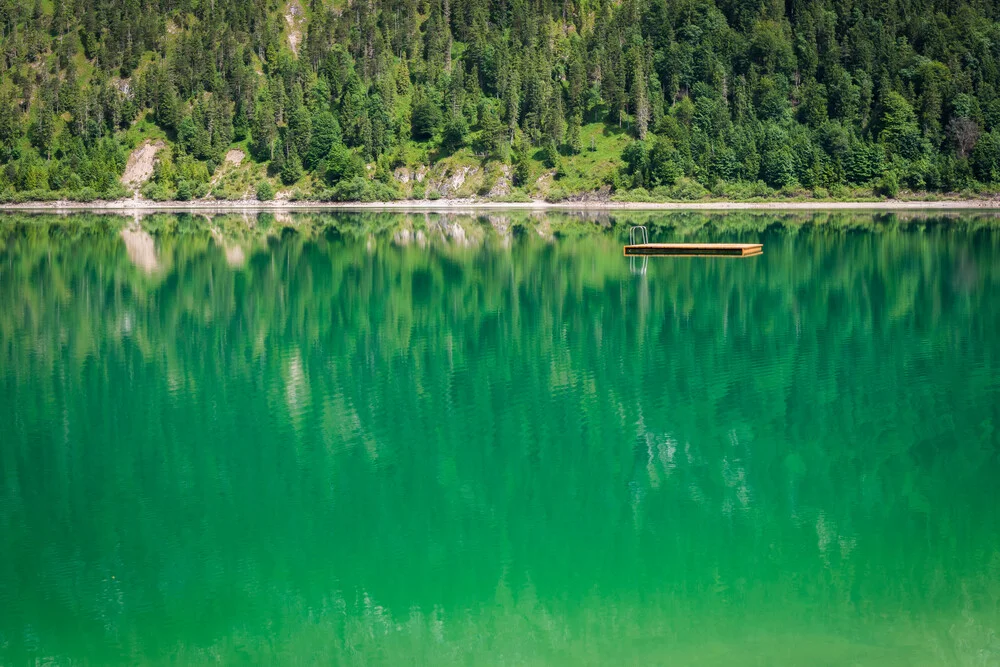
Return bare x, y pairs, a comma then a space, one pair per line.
370, 438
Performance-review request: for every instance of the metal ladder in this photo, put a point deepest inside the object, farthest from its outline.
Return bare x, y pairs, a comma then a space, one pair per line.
636, 235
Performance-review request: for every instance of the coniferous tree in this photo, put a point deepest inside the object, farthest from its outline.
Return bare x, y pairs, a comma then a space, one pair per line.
325, 133
263, 129
802, 96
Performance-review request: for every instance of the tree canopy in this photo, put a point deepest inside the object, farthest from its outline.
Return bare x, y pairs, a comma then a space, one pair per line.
808, 93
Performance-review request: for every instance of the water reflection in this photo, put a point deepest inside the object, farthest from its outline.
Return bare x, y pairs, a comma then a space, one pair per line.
437, 439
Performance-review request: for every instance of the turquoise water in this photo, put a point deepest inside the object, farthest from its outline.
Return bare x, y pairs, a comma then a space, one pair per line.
409, 439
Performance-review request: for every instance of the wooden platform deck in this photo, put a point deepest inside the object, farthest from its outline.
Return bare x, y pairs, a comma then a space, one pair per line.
695, 249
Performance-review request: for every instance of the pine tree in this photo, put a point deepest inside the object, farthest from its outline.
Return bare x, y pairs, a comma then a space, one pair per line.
425, 117
42, 132
493, 135
263, 128
10, 130
353, 115
454, 133
573, 134
554, 120
291, 171
640, 104
325, 133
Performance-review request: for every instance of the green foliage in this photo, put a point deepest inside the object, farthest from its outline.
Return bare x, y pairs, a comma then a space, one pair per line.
425, 118
455, 132
291, 171
522, 164
664, 162
986, 157
493, 134
721, 92
184, 190
651, 163
156, 191
889, 185
899, 127
864, 162
342, 164
264, 191
687, 189
362, 189
263, 129
325, 133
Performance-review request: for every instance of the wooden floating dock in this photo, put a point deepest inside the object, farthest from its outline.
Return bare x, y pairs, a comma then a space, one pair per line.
694, 249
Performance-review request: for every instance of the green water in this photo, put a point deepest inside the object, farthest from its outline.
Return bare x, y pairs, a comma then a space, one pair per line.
408, 439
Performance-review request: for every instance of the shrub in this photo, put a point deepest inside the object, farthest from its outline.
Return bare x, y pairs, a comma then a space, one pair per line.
342, 164
353, 189
640, 195
35, 195
83, 195
888, 186
743, 190
838, 191
515, 197
155, 191
661, 193
264, 191
688, 189
360, 189
184, 191
556, 195
760, 189
73, 182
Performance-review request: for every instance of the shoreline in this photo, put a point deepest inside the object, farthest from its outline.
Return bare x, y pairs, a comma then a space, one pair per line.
148, 206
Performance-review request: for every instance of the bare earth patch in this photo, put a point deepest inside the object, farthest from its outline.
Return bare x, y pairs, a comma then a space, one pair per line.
294, 17
502, 187
141, 163
234, 158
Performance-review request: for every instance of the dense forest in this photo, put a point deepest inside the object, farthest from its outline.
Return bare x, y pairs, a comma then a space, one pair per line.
383, 99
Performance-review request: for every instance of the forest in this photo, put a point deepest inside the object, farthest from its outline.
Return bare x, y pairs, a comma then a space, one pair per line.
510, 99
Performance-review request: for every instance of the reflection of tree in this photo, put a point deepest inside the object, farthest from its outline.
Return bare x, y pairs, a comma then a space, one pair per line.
429, 414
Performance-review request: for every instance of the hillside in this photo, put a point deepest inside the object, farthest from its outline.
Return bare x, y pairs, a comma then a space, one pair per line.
333, 100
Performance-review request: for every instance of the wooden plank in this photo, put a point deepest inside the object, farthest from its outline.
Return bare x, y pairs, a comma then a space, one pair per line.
695, 249
717, 256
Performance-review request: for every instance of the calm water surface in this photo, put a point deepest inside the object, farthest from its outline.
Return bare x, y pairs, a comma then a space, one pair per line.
408, 439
